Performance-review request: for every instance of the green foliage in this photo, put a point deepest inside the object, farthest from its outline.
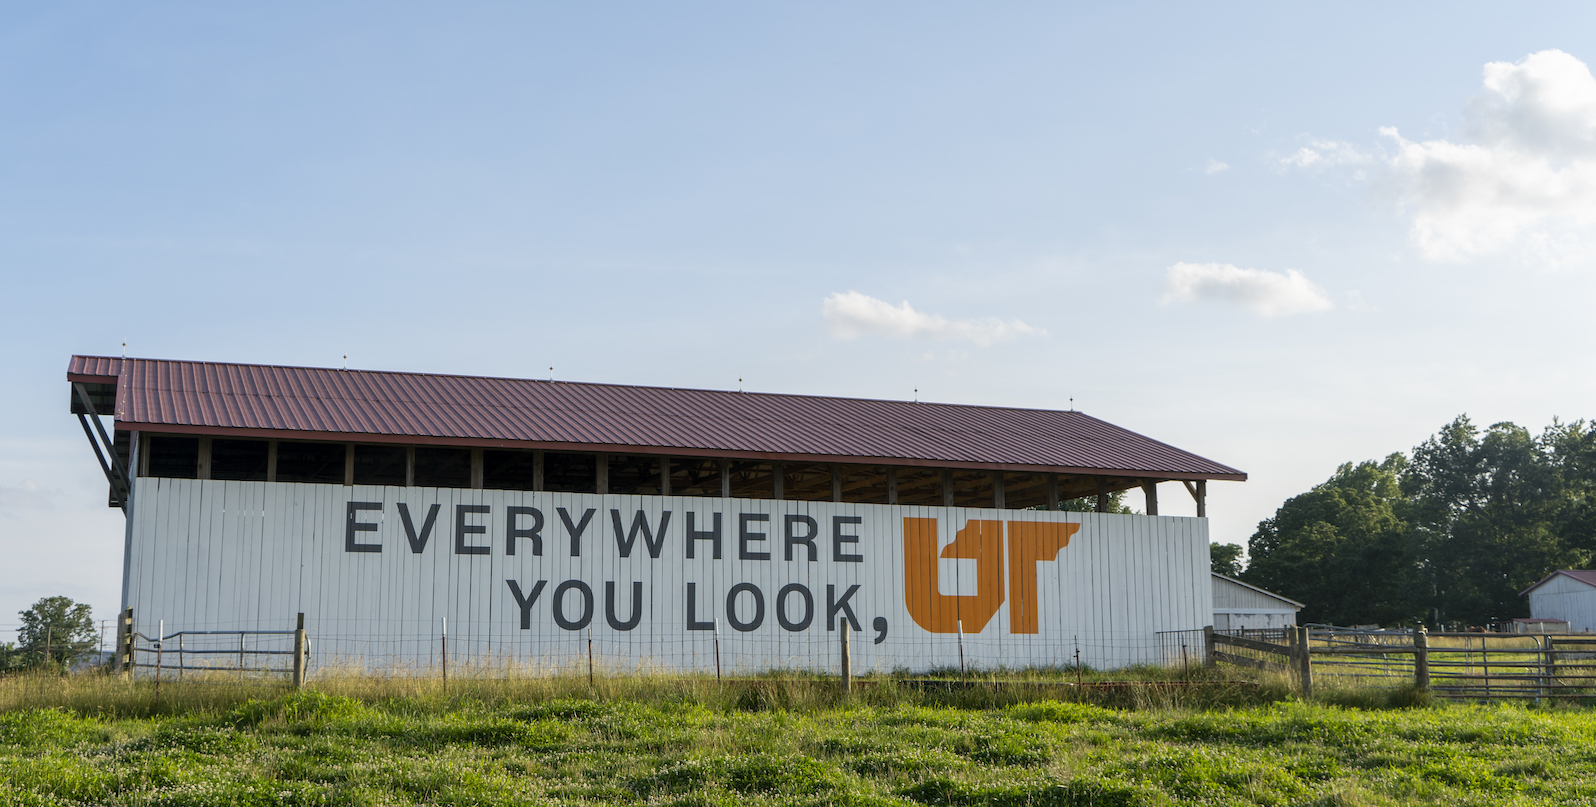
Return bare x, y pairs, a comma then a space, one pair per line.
1449, 537
1225, 559
55, 632
1342, 549
1088, 504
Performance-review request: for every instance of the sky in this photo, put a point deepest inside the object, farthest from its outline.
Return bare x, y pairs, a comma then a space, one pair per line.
1276, 236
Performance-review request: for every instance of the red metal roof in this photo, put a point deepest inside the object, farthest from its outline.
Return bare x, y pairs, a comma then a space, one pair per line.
1586, 576
374, 406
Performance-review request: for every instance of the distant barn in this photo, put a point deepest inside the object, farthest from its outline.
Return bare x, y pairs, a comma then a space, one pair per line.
1242, 606
1568, 595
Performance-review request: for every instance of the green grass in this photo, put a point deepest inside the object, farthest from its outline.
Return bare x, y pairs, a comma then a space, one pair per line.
775, 740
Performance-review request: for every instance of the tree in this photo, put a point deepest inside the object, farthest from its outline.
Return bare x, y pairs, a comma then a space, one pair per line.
1225, 559
1496, 511
1343, 549
1088, 504
56, 630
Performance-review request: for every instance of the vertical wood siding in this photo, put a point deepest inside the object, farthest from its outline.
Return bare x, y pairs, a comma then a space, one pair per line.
225, 555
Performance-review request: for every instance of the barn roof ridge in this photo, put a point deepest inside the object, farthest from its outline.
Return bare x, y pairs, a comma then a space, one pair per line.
385, 404
1263, 591
1586, 576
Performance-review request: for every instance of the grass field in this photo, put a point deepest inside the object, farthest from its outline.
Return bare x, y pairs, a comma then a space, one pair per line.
777, 740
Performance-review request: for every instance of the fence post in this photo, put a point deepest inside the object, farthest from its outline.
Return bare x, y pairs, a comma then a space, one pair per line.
1421, 659
847, 659
124, 642
158, 648
299, 653
1551, 666
1208, 646
1304, 662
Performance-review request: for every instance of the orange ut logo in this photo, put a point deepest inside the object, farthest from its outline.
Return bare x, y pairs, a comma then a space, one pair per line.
1029, 543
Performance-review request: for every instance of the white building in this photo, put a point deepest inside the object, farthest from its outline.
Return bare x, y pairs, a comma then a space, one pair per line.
1238, 606
1568, 595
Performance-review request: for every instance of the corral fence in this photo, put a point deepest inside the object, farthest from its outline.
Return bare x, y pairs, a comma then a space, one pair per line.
214, 655
1460, 666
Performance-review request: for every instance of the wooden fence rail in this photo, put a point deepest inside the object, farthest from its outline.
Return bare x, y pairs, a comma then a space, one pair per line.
1471, 666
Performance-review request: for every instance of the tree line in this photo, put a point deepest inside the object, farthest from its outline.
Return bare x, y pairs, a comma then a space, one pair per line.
1449, 534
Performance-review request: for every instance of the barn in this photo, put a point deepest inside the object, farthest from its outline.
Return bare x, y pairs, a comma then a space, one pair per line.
1566, 595
1243, 606
663, 528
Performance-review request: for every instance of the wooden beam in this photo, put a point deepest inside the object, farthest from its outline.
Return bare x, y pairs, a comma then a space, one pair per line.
892, 486
947, 487
1199, 494
725, 479
665, 476
779, 472
271, 460
410, 466
602, 462
203, 467
1150, 492
997, 490
476, 468
1102, 495
1052, 491
537, 468
349, 463
836, 483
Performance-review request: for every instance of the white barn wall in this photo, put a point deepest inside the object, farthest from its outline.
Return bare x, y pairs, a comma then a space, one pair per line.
1565, 598
225, 555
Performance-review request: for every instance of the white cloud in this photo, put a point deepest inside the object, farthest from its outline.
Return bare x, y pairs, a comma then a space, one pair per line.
1215, 166
1325, 154
1520, 183
851, 315
1265, 293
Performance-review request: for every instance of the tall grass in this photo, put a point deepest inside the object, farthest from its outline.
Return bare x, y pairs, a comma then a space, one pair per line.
114, 695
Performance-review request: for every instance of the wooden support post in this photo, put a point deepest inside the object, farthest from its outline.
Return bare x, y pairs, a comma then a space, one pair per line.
1102, 495
1202, 498
1208, 646
537, 469
1304, 662
124, 642
892, 486
997, 489
271, 460
477, 471
299, 653
203, 469
1421, 659
1052, 492
847, 657
725, 479
349, 463
410, 466
836, 483
1150, 493
665, 476
947, 487
602, 462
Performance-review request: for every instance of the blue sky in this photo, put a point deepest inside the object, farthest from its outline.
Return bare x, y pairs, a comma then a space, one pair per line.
1186, 219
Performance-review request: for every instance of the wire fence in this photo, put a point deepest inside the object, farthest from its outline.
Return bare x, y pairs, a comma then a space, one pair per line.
219, 652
